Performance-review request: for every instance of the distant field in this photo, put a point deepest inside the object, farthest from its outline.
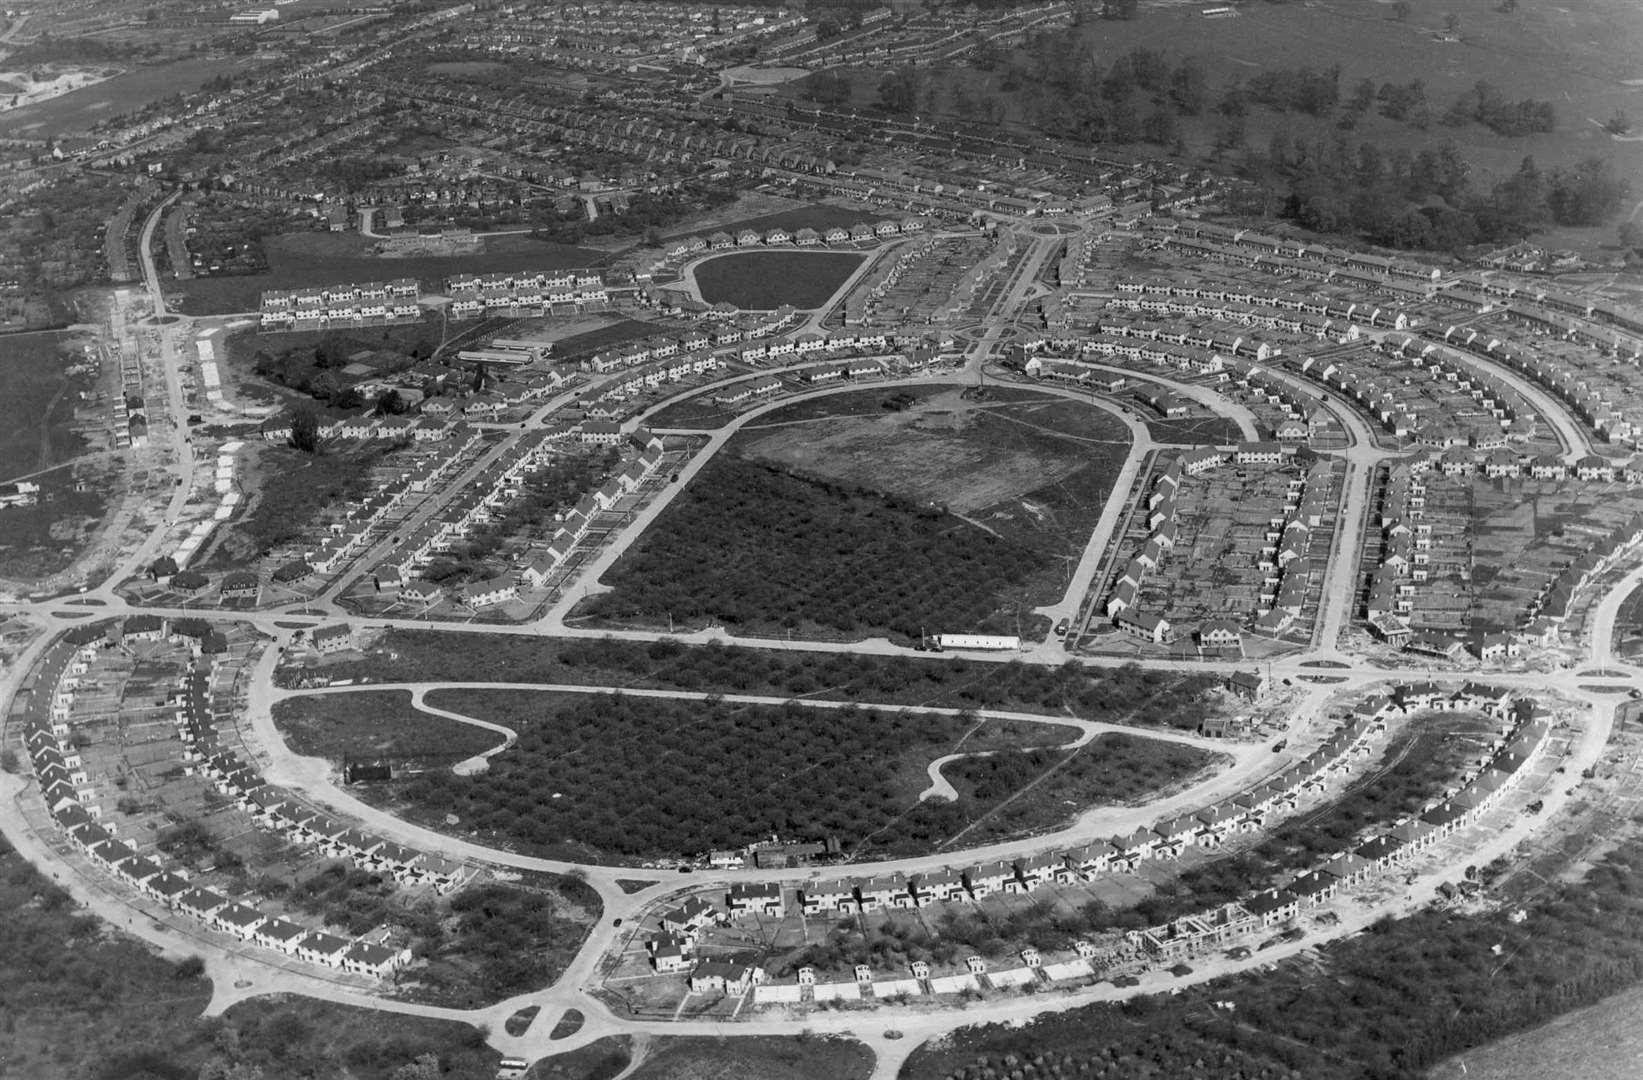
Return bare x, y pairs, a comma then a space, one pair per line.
122, 94
303, 259
1578, 56
765, 280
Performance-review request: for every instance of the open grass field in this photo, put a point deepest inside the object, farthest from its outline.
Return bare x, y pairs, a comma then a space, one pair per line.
81, 109
990, 504
614, 332
39, 430
379, 722
720, 774
800, 1057
602, 1059
1600, 1042
304, 259
1011, 794
766, 280
37, 410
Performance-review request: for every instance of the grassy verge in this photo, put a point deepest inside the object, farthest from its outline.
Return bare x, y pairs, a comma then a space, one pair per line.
800, 1057
601, 1059
378, 723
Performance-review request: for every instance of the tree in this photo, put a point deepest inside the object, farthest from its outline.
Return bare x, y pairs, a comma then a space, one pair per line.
1631, 238
1618, 124
1451, 23
1400, 10
899, 90
305, 430
1508, 6
390, 403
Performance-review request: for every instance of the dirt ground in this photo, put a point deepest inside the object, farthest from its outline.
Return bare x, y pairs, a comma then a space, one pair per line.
915, 454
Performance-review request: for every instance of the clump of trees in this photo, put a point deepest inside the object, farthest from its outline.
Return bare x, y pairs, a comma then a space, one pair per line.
1486, 105
757, 548
716, 774
1424, 200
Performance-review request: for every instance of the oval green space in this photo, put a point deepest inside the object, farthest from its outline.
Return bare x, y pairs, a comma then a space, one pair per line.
767, 280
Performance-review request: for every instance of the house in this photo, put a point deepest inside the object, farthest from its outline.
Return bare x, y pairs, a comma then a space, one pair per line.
1220, 634
755, 899
731, 977
240, 585
281, 934
488, 593
669, 953
1273, 906
420, 592
689, 917
1145, 625
334, 638
821, 897
374, 960
1249, 685
241, 920
322, 948
201, 904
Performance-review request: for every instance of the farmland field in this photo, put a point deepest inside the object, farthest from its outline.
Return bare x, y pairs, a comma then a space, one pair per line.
719, 774
837, 517
304, 259
122, 94
766, 280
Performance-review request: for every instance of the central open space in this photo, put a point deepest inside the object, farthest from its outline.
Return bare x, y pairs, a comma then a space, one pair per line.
878, 513
766, 280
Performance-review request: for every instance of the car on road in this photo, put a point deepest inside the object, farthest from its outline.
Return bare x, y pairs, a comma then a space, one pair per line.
1062, 627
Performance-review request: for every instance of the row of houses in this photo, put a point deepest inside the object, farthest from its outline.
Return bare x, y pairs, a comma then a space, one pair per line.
579, 519
1517, 736
1283, 559
1475, 793
331, 547
68, 796
475, 296
1319, 317
1596, 397
373, 302
838, 235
